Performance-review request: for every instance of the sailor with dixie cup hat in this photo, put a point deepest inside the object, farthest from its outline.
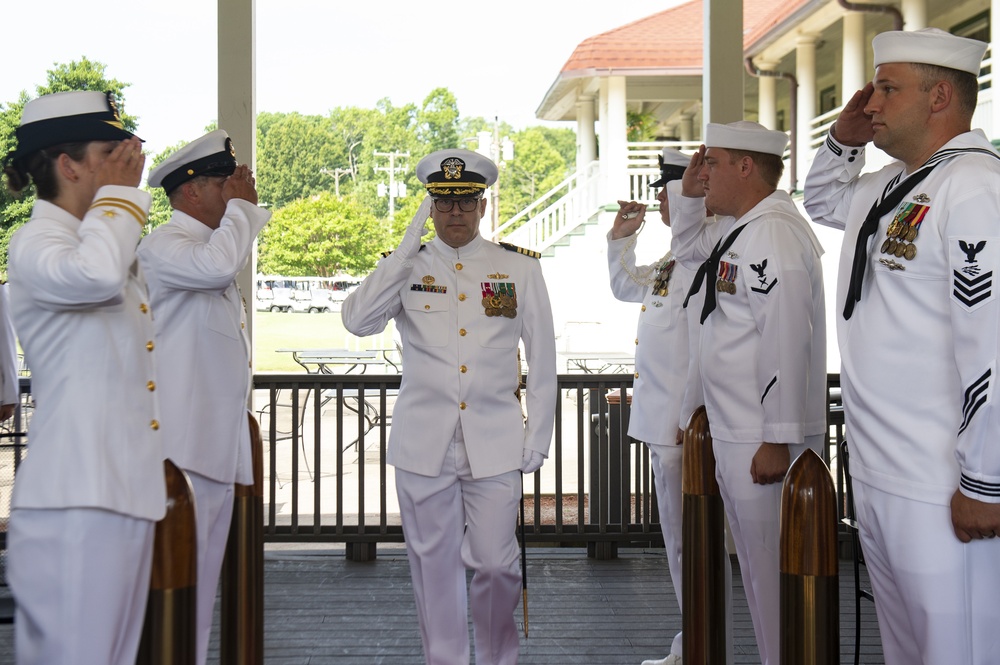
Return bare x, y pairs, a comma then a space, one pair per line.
191, 263
919, 260
762, 358
87, 497
460, 440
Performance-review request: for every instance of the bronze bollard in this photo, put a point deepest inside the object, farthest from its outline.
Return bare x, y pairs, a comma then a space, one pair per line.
168, 634
704, 550
241, 612
810, 595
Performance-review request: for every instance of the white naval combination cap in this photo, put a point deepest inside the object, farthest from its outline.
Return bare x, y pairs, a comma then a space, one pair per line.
456, 173
929, 46
672, 164
745, 135
68, 117
211, 154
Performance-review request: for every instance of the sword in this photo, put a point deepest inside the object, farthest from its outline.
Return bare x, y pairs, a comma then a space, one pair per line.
524, 565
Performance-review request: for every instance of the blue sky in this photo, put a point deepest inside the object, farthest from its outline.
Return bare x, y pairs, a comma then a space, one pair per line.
499, 58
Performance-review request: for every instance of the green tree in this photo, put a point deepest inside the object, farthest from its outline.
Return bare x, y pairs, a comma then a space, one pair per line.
322, 236
640, 126
536, 168
293, 151
437, 121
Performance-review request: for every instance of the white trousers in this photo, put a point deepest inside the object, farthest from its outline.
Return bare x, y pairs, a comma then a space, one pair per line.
752, 511
937, 599
667, 466
213, 513
80, 578
452, 522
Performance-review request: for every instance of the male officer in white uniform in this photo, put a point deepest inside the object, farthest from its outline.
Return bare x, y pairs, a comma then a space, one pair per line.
918, 321
191, 263
762, 365
10, 390
87, 497
661, 359
459, 441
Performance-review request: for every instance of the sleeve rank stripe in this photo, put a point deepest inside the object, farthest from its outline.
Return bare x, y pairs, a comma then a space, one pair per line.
834, 148
980, 487
975, 397
124, 204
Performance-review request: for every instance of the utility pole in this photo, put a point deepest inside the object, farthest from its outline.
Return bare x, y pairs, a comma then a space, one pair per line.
336, 173
392, 169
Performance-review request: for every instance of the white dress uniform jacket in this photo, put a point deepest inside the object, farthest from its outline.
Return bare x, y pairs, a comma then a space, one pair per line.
763, 350
10, 391
81, 308
202, 340
661, 343
460, 365
919, 353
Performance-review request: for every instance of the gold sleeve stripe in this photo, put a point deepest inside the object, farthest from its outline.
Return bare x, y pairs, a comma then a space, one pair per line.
521, 250
109, 202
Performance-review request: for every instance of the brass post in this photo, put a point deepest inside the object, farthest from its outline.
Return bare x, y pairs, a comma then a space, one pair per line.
703, 549
242, 604
810, 593
169, 631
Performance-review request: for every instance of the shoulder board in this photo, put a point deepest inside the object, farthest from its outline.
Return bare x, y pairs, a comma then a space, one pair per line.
521, 250
385, 254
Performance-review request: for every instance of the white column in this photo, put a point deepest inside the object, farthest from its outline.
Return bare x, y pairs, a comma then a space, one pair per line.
238, 106
722, 75
914, 14
618, 179
586, 137
853, 75
685, 128
805, 72
767, 96
604, 145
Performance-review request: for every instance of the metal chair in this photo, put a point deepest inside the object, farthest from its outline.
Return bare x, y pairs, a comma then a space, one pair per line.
858, 555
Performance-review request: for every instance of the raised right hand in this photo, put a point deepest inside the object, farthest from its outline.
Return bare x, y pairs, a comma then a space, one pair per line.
854, 127
624, 224
123, 165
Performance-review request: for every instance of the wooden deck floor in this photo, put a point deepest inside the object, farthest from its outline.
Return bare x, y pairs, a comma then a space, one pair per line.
322, 609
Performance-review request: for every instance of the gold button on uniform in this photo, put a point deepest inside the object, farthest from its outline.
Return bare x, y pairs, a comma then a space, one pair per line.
637, 341
642, 309
637, 375
464, 369
242, 325
150, 386
427, 306
461, 331
461, 297
143, 308
154, 424
458, 266
462, 406
150, 345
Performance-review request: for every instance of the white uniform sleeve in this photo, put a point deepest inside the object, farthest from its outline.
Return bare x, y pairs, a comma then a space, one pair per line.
66, 271
973, 232
831, 183
369, 308
692, 234
540, 350
9, 389
621, 255
181, 262
779, 287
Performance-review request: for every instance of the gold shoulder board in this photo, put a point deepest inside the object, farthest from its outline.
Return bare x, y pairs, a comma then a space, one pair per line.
521, 250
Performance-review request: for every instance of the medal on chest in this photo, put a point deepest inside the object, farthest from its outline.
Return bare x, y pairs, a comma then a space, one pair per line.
726, 283
499, 299
661, 283
904, 227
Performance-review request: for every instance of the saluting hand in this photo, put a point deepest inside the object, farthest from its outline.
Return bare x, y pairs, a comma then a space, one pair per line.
123, 165
240, 185
854, 127
691, 186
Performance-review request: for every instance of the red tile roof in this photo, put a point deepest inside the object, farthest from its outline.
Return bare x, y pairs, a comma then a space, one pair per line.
671, 39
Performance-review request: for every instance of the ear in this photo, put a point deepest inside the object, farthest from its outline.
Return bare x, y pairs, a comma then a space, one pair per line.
482, 208
746, 166
941, 95
189, 192
67, 168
